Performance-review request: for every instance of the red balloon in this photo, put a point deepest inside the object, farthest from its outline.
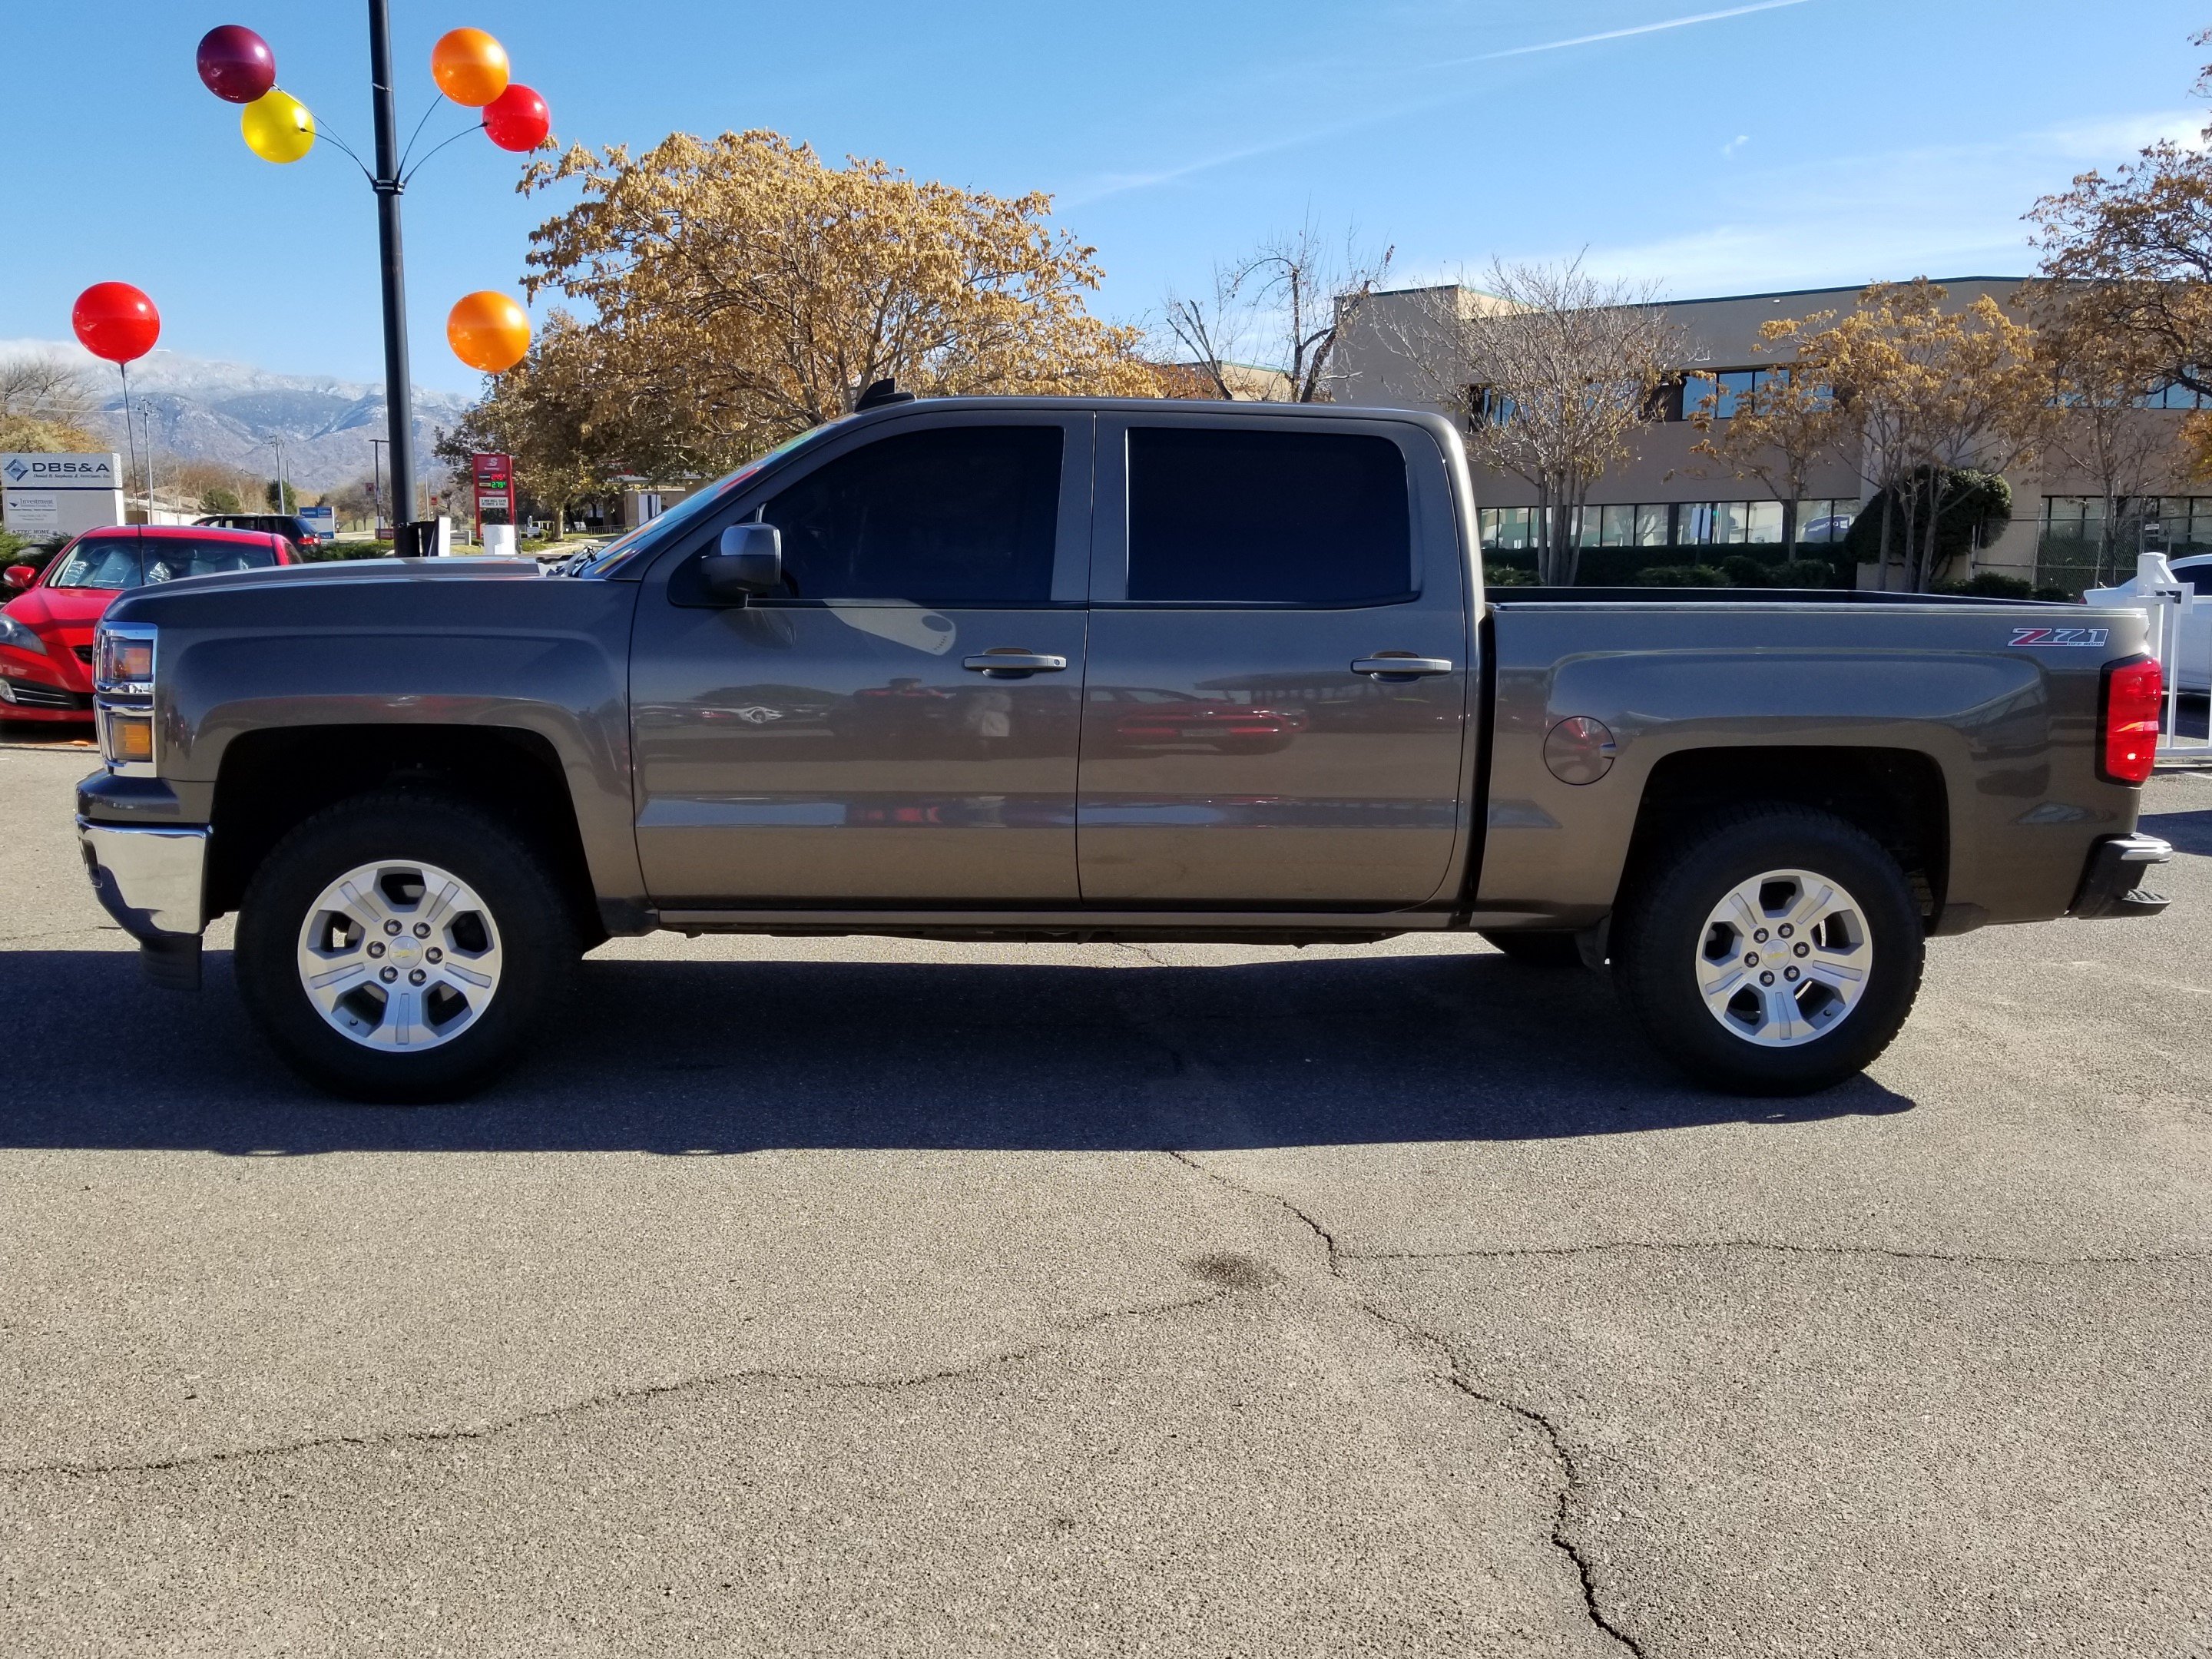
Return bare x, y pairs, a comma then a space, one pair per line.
518, 119
235, 64
114, 320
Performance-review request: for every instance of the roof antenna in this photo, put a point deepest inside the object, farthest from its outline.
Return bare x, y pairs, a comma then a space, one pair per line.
880, 393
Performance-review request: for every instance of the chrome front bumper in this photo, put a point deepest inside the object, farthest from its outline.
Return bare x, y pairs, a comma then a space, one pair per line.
153, 880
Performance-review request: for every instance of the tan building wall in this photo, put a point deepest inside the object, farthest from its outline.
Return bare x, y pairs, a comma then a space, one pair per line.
1372, 367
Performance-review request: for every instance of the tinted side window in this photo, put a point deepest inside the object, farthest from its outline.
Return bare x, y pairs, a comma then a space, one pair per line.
960, 515
1234, 516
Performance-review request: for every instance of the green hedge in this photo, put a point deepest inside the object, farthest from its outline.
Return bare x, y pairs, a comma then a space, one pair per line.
1757, 565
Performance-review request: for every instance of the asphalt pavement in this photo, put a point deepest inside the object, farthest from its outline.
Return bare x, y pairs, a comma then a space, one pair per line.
863, 1297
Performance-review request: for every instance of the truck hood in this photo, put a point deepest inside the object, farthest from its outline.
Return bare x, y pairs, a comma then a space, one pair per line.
144, 602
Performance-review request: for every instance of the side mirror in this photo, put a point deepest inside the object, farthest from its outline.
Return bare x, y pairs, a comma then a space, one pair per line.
749, 562
19, 575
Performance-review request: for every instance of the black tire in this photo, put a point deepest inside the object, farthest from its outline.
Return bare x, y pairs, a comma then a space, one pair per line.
536, 930
1552, 949
1659, 931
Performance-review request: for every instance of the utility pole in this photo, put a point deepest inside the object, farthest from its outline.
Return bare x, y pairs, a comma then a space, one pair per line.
398, 391
376, 503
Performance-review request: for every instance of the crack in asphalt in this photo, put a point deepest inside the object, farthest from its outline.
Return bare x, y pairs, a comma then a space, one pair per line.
1446, 1363
1570, 1485
1124, 944
1697, 1246
615, 1397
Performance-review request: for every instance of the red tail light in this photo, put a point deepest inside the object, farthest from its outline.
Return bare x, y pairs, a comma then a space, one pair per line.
2132, 691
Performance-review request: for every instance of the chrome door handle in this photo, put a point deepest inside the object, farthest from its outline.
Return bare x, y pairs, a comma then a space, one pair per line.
1402, 667
1014, 662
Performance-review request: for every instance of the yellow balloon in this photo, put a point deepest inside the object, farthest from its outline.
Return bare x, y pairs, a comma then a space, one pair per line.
277, 126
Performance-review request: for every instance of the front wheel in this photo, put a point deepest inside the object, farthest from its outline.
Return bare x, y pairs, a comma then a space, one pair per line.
402, 949
1774, 954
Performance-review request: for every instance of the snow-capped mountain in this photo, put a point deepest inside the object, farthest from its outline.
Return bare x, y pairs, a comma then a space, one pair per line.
202, 409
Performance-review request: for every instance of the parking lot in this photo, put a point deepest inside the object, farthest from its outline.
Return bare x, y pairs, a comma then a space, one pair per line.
868, 1297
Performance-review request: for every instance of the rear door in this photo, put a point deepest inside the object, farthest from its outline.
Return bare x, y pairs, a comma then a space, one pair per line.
1247, 740
898, 725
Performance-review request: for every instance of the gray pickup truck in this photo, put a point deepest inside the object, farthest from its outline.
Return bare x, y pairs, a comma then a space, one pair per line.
1030, 669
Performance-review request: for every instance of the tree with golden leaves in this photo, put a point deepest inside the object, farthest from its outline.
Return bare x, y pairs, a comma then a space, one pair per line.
2143, 237
1788, 423
742, 291
1930, 396
2102, 372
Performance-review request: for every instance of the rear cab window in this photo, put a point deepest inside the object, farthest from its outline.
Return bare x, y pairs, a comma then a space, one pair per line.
1234, 515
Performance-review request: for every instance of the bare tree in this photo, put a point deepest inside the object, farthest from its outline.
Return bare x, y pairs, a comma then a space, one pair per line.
47, 402
1556, 369
1268, 331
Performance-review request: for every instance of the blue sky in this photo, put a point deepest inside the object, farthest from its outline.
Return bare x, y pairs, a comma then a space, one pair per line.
1713, 146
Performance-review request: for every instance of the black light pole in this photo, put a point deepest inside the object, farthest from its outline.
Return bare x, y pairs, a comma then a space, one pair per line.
399, 390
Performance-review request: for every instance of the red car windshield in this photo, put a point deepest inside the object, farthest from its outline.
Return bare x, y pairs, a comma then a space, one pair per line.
120, 561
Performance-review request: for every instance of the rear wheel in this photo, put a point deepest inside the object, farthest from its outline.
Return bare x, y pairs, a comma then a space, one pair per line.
402, 949
1776, 953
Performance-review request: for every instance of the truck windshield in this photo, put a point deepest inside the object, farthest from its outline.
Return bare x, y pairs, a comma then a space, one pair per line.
633, 545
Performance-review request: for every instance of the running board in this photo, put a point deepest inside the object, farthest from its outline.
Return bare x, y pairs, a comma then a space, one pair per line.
1275, 927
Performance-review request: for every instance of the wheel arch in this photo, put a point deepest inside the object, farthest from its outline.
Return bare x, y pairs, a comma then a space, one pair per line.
272, 780
1898, 796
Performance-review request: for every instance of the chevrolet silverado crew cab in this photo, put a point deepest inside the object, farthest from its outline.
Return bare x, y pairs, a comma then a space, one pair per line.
1016, 669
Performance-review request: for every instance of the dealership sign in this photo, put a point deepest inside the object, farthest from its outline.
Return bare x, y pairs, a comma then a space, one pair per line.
49, 496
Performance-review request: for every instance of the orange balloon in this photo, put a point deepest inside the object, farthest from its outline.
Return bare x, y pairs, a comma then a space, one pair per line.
488, 331
469, 66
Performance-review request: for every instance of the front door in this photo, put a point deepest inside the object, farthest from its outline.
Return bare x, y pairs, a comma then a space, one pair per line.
1246, 738
898, 725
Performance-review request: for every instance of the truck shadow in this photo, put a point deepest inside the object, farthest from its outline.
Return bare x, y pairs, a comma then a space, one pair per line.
690, 1057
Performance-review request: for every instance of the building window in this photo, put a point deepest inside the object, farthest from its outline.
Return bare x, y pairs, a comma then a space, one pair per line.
1488, 406
2184, 522
2170, 396
1820, 521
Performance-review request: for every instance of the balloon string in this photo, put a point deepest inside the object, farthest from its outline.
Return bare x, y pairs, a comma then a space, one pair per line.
409, 149
130, 438
324, 131
434, 148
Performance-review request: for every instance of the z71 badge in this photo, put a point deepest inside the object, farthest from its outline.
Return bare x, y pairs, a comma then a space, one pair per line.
2060, 635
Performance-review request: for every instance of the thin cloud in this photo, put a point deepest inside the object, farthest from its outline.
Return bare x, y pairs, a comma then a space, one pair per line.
1622, 35
1121, 184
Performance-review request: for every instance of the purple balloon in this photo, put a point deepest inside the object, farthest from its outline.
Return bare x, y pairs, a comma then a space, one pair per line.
235, 64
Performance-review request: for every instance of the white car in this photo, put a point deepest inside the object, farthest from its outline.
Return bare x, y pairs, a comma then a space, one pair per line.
2194, 669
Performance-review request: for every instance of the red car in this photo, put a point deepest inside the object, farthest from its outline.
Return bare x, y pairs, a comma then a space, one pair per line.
46, 631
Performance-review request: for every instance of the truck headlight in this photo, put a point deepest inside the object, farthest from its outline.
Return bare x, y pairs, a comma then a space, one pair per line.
123, 657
